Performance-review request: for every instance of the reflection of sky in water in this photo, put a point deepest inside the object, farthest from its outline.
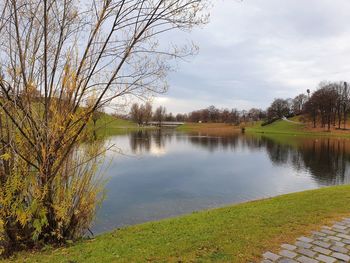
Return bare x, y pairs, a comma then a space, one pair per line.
163, 175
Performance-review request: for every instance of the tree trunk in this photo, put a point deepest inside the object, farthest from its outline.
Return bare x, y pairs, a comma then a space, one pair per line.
345, 116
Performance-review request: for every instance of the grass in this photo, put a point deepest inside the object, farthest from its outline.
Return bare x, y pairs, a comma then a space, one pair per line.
109, 125
279, 126
238, 233
288, 128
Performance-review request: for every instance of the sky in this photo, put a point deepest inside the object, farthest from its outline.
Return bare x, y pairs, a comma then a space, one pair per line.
253, 51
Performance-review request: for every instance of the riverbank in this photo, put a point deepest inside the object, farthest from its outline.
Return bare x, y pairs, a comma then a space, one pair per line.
238, 233
282, 127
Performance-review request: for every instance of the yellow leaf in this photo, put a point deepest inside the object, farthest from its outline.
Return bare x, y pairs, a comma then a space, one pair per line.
5, 156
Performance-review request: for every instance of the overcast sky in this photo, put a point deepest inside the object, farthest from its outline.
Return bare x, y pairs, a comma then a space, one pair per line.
256, 50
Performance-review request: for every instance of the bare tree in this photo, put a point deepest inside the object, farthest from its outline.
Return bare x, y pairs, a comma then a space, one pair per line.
323, 102
159, 114
62, 51
345, 95
136, 113
298, 103
278, 109
147, 112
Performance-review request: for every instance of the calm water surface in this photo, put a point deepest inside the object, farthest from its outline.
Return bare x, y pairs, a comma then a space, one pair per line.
166, 173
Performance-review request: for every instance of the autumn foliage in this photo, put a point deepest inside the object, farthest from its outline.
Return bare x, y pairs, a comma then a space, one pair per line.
61, 62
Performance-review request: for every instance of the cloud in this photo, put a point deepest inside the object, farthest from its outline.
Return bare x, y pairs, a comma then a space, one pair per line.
255, 50
175, 105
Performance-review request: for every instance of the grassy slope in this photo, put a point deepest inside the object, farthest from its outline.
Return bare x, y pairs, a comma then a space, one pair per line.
284, 127
232, 234
109, 125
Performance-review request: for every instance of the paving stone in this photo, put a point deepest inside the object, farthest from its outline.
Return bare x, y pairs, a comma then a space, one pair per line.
306, 252
341, 231
341, 256
303, 244
338, 244
339, 249
288, 254
287, 260
288, 247
326, 259
346, 241
305, 239
322, 244
344, 236
322, 250
328, 232
329, 245
334, 238
342, 223
338, 226
304, 259
271, 256
317, 233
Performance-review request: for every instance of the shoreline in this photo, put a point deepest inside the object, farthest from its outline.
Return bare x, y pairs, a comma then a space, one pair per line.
238, 233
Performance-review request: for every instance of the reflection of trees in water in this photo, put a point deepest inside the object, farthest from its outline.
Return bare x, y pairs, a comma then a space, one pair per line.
214, 143
142, 140
326, 159
161, 137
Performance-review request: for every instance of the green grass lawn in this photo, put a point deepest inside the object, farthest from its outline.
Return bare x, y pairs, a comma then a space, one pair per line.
238, 233
284, 127
278, 126
109, 125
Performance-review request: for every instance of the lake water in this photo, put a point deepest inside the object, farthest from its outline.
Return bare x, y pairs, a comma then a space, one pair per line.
167, 173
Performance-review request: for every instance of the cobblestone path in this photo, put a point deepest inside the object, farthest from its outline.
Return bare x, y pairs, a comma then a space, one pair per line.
331, 244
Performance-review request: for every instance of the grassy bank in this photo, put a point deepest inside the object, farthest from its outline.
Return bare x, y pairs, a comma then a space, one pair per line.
108, 125
277, 127
284, 127
215, 128
237, 233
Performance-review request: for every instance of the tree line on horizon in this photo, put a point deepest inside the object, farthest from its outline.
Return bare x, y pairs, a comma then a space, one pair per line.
327, 106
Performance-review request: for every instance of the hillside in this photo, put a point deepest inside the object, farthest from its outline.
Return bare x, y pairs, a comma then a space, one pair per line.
108, 125
294, 126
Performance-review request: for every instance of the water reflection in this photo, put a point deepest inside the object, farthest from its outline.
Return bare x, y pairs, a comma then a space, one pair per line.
166, 173
326, 159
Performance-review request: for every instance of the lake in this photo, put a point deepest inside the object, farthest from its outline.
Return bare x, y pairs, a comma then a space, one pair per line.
164, 173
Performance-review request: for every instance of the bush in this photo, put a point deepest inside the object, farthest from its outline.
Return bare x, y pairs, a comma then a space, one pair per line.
35, 212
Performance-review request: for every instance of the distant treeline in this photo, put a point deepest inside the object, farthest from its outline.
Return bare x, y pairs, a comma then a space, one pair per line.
143, 114
328, 105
